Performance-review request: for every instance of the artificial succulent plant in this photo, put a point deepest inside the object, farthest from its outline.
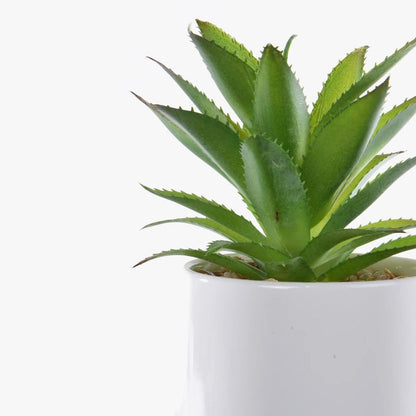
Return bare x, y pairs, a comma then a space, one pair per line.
304, 175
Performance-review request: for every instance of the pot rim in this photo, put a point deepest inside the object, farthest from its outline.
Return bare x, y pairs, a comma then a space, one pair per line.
397, 264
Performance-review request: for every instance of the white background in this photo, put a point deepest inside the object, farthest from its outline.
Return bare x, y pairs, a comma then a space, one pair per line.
81, 332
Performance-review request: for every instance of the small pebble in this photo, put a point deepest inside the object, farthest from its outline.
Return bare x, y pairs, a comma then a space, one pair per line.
362, 275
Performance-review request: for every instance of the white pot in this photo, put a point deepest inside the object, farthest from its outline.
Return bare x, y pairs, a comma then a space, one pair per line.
302, 349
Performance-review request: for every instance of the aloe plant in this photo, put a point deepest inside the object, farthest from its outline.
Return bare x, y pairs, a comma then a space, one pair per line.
302, 174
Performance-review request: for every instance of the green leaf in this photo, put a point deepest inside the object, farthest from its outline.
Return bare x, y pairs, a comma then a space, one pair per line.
369, 79
381, 228
183, 136
343, 250
209, 139
287, 46
389, 125
337, 147
215, 212
280, 110
231, 263
326, 242
295, 270
205, 223
376, 163
204, 104
355, 205
277, 194
234, 78
399, 223
355, 179
213, 33
355, 264
345, 74
258, 252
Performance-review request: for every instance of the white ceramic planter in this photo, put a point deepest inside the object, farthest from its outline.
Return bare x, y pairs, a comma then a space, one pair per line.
302, 349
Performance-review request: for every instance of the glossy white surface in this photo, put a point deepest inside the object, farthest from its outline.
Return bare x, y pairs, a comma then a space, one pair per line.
299, 349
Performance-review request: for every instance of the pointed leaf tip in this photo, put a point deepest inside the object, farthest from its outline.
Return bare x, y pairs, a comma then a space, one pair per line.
141, 99
141, 262
367, 80
228, 262
279, 108
337, 147
154, 60
288, 45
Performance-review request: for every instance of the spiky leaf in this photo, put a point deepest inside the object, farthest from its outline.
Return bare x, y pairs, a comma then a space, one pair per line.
368, 79
258, 252
337, 147
351, 184
280, 110
204, 104
325, 242
231, 263
389, 125
355, 205
209, 139
276, 192
234, 78
400, 223
214, 211
345, 74
355, 264
215, 34
205, 223
341, 252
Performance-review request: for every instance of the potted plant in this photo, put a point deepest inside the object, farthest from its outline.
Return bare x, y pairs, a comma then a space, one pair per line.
286, 319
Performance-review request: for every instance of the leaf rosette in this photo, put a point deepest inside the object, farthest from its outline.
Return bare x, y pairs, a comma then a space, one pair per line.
304, 175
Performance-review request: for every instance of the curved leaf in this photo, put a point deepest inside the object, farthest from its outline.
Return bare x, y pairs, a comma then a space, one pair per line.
357, 263
326, 242
287, 46
341, 252
367, 80
345, 74
277, 194
224, 40
337, 147
280, 110
258, 252
389, 125
399, 223
381, 228
204, 104
209, 139
351, 184
215, 212
205, 223
237, 266
355, 205
234, 78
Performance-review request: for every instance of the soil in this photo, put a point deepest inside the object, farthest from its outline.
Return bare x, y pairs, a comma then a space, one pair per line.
362, 275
